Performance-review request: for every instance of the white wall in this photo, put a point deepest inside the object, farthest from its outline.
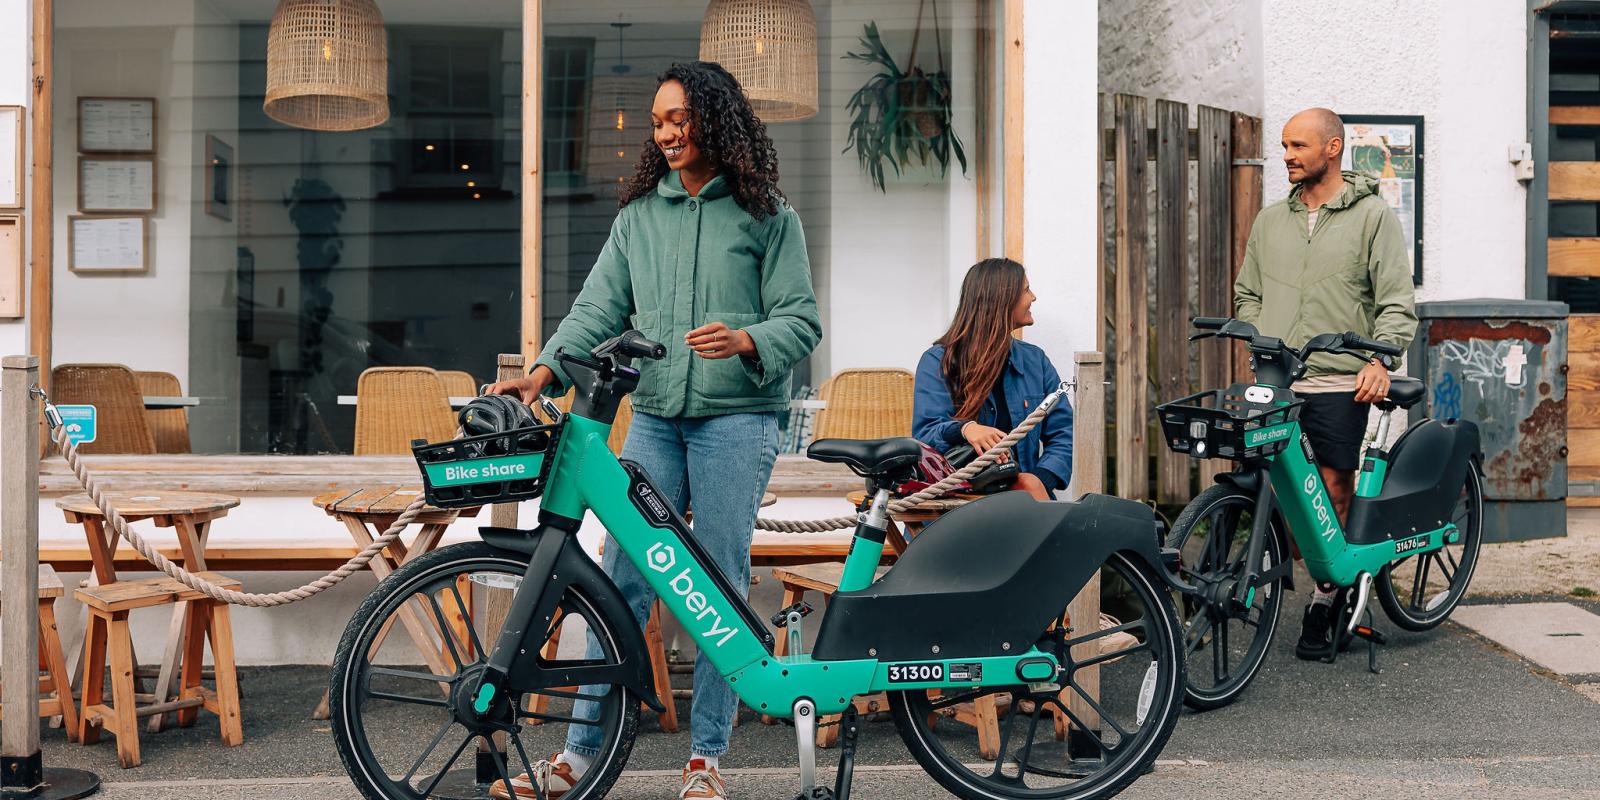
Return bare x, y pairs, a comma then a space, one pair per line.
1461, 64
15, 68
1193, 51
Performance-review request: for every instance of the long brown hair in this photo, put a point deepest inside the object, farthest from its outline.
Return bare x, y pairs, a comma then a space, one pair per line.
979, 339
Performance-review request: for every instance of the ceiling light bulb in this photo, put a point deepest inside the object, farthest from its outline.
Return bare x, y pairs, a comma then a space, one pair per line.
428, 147
465, 167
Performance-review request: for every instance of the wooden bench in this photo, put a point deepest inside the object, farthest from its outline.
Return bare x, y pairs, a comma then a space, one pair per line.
107, 639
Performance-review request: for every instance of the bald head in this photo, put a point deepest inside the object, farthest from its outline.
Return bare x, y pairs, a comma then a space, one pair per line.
1313, 141
1322, 122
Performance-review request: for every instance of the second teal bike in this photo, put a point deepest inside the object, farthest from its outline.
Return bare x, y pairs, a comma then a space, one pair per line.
1415, 523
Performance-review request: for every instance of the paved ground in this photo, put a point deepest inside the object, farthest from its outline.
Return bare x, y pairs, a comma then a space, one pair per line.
1452, 715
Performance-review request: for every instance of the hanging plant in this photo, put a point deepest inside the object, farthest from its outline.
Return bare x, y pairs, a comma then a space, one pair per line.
902, 117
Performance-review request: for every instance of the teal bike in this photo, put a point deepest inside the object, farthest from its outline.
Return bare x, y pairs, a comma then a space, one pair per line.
1415, 523
462, 668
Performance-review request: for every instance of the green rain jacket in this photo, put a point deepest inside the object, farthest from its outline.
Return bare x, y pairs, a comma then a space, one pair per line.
1350, 274
675, 262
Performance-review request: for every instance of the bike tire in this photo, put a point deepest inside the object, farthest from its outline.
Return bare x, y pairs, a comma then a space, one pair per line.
351, 701
1207, 623
1468, 516
913, 711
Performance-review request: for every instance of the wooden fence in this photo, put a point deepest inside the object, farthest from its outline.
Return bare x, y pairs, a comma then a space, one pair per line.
1191, 277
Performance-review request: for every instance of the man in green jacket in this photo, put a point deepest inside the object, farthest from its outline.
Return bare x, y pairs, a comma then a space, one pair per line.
1330, 258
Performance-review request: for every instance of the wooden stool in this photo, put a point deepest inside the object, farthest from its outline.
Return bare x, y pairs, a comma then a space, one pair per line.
55, 687
108, 607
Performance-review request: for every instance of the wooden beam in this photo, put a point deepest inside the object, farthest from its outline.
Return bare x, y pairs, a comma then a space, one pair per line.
532, 179
1011, 136
42, 212
1574, 257
1172, 284
1132, 299
1101, 190
1583, 333
1214, 261
1574, 180
1245, 202
983, 102
1575, 115
19, 528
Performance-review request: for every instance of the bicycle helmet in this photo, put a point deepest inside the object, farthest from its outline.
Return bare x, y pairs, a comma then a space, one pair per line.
495, 413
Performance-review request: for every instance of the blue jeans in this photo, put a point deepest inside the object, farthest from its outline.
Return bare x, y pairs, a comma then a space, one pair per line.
723, 463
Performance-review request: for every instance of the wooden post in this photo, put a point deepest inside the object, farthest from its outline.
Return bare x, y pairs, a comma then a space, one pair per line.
1215, 160
1132, 328
21, 768
1172, 283
1088, 475
497, 602
1245, 198
43, 210
532, 177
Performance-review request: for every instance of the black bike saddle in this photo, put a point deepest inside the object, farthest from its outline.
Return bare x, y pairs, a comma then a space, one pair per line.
868, 457
1403, 393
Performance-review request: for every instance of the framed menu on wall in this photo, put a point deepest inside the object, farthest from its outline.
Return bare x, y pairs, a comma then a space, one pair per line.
108, 244
116, 184
11, 155
117, 125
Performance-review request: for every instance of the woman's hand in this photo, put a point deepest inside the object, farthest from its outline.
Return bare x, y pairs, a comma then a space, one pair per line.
717, 340
527, 389
983, 437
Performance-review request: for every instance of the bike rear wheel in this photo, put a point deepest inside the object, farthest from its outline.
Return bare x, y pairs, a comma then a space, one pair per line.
409, 659
1117, 701
1419, 592
1224, 646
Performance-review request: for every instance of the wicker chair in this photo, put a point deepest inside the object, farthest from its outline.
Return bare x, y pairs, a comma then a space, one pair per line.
169, 426
397, 404
865, 404
458, 383
113, 389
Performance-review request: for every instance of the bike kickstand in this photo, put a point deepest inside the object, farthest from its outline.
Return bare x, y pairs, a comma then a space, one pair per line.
849, 729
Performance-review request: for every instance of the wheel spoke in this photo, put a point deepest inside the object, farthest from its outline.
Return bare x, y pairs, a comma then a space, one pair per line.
1101, 633
1449, 575
428, 751
1094, 704
1198, 632
527, 764
543, 717
404, 698
500, 764
446, 768
945, 701
1006, 725
472, 630
445, 630
1027, 746
1087, 731
1419, 582
1104, 657
408, 674
1221, 644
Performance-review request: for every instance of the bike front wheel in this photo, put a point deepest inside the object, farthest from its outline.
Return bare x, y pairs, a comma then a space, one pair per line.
1086, 737
1419, 592
1224, 645
410, 658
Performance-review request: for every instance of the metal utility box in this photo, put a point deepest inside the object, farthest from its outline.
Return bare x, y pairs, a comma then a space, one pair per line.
1503, 364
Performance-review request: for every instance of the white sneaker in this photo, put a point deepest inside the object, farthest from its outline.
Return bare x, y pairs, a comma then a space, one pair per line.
701, 782
554, 776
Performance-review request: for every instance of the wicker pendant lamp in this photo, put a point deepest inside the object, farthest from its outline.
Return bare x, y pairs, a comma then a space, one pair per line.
327, 65
771, 47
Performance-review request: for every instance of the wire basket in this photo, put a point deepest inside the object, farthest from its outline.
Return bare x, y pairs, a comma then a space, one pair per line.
1223, 424
492, 468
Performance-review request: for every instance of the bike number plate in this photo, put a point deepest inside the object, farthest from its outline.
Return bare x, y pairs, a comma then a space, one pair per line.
916, 673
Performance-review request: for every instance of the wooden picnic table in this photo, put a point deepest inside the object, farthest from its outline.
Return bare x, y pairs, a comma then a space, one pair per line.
189, 515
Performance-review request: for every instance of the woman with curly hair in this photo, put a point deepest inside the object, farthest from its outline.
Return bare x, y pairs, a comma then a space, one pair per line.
706, 257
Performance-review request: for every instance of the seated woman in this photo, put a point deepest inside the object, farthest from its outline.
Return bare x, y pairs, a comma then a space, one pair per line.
978, 382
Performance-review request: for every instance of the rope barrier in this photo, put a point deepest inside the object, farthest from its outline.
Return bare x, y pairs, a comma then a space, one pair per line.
69, 449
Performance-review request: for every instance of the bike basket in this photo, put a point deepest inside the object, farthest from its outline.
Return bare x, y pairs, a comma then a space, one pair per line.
492, 468
1223, 424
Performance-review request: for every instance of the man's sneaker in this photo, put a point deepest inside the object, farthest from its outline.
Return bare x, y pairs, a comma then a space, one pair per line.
1314, 632
701, 782
555, 776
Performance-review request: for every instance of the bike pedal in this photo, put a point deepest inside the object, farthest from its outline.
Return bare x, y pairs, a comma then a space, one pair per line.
781, 619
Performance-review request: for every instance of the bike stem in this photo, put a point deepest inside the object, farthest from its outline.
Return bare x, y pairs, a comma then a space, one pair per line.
529, 606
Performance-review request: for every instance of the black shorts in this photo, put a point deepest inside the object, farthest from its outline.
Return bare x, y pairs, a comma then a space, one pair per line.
1335, 423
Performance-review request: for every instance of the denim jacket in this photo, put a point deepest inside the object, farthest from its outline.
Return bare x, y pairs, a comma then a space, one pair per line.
1046, 451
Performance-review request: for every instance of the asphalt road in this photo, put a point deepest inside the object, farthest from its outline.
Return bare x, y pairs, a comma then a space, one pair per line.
1452, 715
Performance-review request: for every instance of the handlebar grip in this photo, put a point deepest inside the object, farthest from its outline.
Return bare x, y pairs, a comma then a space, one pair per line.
1209, 323
634, 344
1362, 343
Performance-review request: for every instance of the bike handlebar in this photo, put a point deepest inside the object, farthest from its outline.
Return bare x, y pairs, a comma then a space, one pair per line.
1358, 342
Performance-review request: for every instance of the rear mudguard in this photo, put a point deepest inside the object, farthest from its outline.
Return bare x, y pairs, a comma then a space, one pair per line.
581, 570
1251, 482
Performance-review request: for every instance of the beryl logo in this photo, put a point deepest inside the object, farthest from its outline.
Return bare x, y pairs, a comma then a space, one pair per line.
661, 557
1319, 503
